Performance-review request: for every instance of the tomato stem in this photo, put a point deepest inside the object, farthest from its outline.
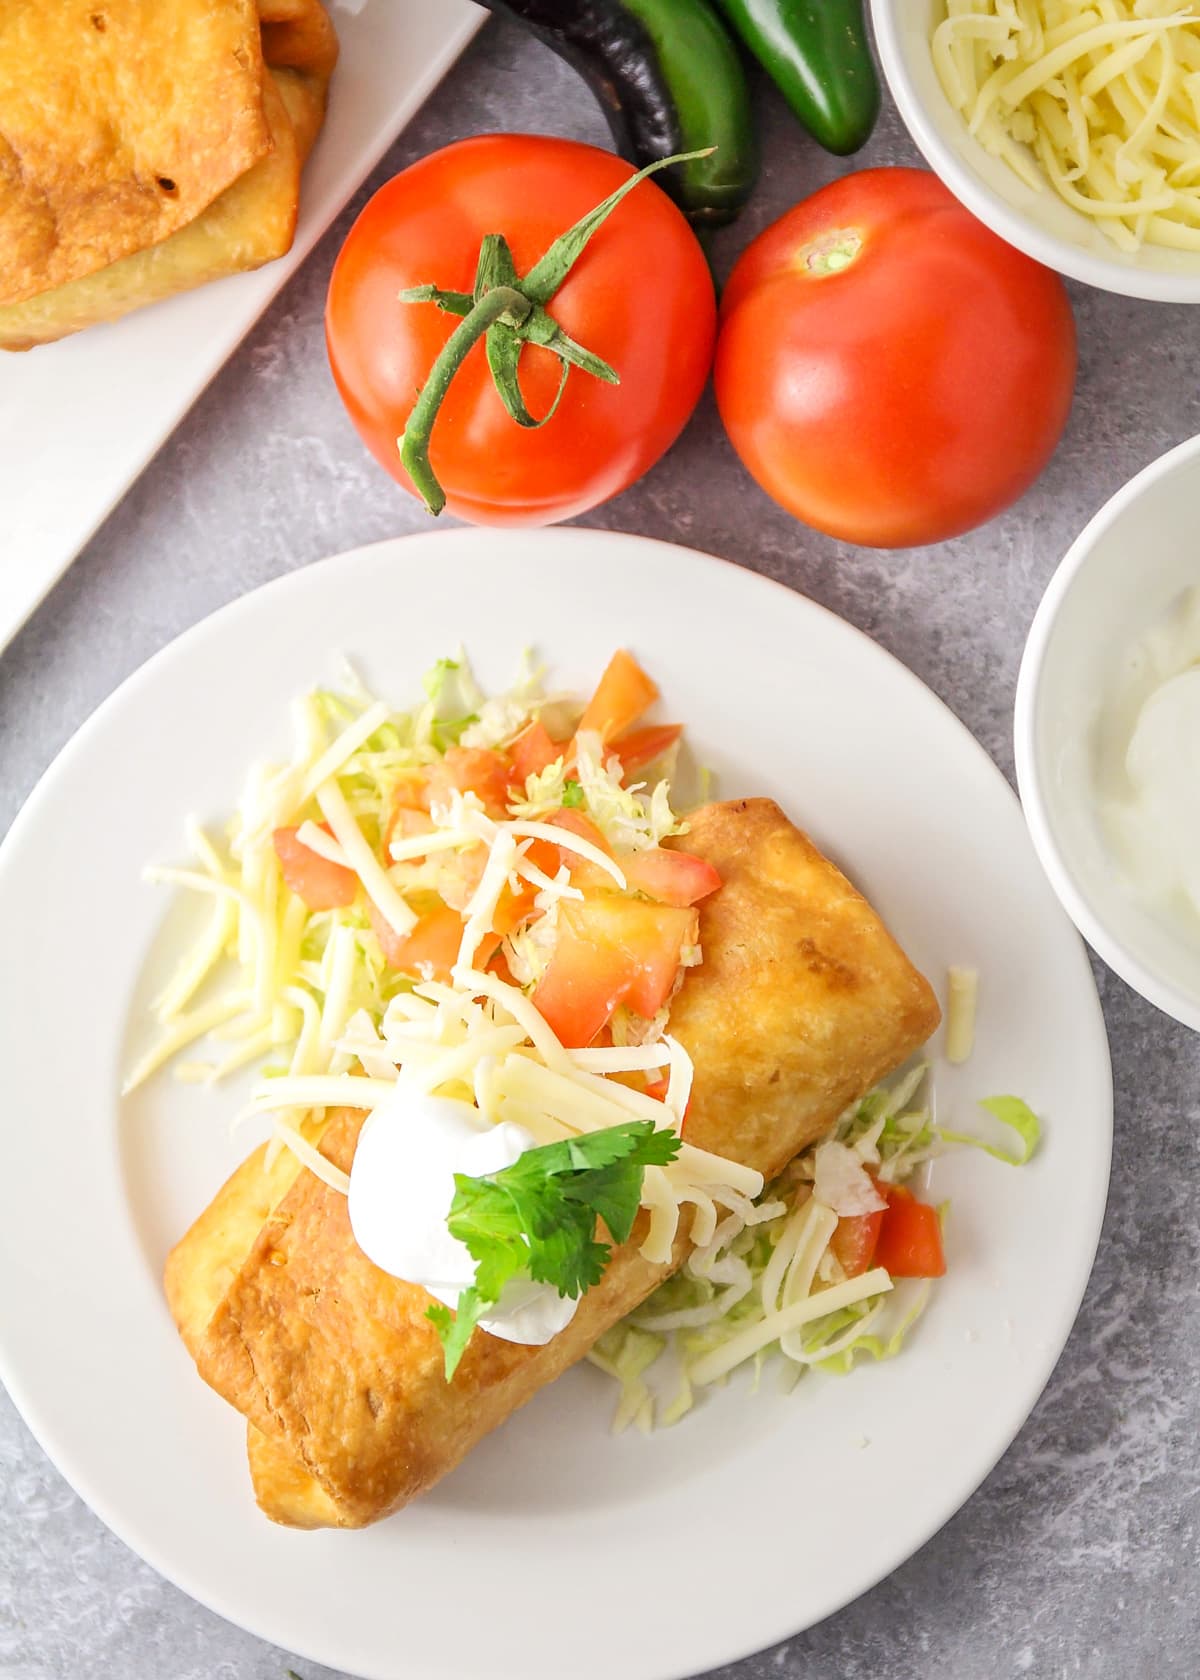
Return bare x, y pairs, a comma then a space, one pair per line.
832, 252
510, 312
414, 442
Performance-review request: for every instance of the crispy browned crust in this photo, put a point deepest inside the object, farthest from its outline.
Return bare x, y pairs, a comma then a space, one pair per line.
803, 1001
247, 219
100, 102
207, 1258
283, 1487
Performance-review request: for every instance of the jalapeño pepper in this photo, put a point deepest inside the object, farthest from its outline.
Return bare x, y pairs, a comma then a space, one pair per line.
669, 79
816, 53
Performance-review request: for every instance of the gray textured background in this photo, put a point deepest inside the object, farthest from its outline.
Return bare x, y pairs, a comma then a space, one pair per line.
1079, 1554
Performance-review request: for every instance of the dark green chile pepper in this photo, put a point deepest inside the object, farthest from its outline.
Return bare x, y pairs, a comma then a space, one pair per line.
669, 80
816, 53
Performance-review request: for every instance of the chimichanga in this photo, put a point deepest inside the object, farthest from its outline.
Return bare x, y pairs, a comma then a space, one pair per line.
221, 204
803, 1001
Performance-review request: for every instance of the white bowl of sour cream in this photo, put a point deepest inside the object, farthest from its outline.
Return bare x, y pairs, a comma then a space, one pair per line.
1107, 733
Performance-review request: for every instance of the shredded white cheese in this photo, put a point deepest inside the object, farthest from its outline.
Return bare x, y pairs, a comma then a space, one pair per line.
363, 861
1099, 97
962, 997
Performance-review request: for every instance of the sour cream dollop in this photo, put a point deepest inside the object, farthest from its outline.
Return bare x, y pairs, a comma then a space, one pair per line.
1148, 763
401, 1187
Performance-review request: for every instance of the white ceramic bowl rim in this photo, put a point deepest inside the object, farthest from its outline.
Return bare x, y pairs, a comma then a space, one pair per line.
1081, 906
1126, 276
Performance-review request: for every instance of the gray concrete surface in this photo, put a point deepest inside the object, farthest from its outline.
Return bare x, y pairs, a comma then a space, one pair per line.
1078, 1557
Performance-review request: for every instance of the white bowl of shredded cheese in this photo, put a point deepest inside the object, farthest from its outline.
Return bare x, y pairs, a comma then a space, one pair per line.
1071, 128
1107, 733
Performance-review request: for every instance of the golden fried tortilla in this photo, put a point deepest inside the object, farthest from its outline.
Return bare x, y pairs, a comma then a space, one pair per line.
204, 1263
248, 223
120, 120
803, 995
803, 1001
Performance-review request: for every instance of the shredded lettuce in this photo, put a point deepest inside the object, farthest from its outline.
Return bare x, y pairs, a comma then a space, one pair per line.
293, 977
757, 1269
630, 818
1010, 1111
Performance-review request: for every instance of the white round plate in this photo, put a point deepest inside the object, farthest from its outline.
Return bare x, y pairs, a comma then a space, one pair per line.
556, 1547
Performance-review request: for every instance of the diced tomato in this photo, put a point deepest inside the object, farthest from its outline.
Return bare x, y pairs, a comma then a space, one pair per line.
428, 952
478, 770
404, 822
611, 950
910, 1236
657, 1088
854, 1241
582, 986
654, 936
581, 825
533, 749
411, 793
321, 884
512, 909
670, 877
644, 746
550, 858
622, 695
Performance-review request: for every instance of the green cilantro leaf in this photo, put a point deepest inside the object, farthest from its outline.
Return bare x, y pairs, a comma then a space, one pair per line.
455, 1328
537, 1219
572, 796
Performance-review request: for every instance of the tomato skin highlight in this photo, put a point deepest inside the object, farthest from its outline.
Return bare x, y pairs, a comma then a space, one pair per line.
321, 884
911, 394
641, 297
910, 1236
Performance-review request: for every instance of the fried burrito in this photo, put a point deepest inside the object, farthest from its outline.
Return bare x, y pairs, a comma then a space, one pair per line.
148, 146
803, 1001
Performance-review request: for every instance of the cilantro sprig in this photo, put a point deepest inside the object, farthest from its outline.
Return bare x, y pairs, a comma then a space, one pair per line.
538, 1217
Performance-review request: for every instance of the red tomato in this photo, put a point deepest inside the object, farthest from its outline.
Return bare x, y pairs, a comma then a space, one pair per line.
531, 752
644, 746
640, 297
855, 1239
610, 951
578, 823
670, 877
890, 371
512, 909
910, 1236
477, 770
549, 858
583, 984
321, 884
405, 822
429, 950
622, 695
